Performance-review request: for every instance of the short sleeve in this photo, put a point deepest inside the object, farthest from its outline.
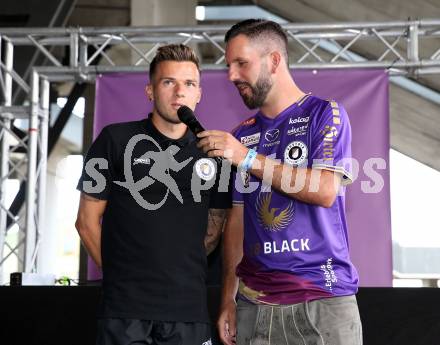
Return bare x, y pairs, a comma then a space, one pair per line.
98, 169
221, 191
331, 142
237, 196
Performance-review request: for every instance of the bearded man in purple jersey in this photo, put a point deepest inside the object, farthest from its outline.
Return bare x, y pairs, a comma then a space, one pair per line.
286, 258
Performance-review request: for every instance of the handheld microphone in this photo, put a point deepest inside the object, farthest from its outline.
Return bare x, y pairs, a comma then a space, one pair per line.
186, 115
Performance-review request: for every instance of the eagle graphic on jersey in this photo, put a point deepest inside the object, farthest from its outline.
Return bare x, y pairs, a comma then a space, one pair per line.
268, 216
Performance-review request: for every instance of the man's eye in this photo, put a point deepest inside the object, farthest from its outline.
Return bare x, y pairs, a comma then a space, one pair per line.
167, 82
190, 83
242, 63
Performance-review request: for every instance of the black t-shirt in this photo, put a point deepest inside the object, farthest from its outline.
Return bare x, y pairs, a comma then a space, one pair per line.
155, 221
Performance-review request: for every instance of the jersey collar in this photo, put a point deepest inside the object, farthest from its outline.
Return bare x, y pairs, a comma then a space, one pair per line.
268, 121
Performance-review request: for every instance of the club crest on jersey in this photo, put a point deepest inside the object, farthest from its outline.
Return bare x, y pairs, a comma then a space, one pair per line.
273, 218
252, 139
295, 153
205, 169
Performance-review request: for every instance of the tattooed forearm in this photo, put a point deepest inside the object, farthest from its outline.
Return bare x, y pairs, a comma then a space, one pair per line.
216, 220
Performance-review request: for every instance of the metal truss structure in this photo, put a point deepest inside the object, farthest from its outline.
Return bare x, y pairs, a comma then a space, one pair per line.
403, 48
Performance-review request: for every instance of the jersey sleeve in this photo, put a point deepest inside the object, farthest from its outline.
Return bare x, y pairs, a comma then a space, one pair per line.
98, 170
237, 196
331, 142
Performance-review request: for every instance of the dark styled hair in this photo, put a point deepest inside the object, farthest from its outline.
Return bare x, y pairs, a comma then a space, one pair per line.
173, 52
262, 30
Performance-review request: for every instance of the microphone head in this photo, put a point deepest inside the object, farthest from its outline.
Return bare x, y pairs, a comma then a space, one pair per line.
185, 114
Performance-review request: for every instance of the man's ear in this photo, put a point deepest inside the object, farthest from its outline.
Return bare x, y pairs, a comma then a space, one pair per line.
275, 58
149, 92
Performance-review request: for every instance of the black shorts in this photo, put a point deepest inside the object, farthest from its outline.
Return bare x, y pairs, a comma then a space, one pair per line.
140, 332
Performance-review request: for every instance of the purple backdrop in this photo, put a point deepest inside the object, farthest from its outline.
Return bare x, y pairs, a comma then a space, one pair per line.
364, 93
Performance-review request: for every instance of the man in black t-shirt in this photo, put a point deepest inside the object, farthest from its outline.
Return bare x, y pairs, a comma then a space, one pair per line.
152, 205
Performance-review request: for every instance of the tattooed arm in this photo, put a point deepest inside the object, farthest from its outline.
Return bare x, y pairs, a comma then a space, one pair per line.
88, 224
216, 220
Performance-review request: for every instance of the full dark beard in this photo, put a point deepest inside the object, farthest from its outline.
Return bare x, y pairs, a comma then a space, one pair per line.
259, 91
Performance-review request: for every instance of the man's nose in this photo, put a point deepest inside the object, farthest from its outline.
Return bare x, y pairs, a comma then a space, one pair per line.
179, 90
232, 74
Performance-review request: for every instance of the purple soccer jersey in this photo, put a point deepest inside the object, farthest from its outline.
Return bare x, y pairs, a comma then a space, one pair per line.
294, 251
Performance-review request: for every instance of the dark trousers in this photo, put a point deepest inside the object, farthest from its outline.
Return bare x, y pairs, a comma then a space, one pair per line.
142, 332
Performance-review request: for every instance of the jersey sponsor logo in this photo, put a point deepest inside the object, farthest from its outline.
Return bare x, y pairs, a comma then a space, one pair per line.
299, 120
272, 134
271, 144
205, 169
248, 122
295, 153
297, 131
252, 139
330, 277
295, 245
330, 133
272, 218
141, 161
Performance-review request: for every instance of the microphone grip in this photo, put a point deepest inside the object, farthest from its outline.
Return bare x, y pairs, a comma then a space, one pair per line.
199, 129
196, 128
